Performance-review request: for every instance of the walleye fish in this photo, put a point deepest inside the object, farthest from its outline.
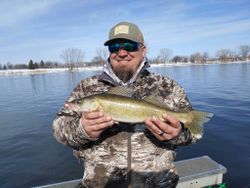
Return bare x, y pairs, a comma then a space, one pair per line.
128, 110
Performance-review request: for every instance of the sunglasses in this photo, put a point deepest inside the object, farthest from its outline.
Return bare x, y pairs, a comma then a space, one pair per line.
129, 47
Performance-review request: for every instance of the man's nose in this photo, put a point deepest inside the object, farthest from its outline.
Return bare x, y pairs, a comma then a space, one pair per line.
122, 52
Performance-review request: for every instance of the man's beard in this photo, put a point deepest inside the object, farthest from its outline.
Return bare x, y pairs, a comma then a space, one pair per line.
125, 76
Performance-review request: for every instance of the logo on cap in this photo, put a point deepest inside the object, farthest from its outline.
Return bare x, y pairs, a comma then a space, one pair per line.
121, 29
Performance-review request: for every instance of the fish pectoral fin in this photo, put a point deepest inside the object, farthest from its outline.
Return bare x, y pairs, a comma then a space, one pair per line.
99, 107
122, 91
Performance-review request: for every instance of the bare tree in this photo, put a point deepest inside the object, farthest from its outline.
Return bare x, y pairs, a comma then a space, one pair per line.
101, 55
72, 57
205, 57
244, 51
234, 56
196, 58
178, 58
165, 55
223, 55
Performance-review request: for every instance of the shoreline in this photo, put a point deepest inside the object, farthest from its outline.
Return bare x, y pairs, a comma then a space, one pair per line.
14, 72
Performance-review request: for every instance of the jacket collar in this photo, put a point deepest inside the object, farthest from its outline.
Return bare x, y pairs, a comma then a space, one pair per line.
109, 76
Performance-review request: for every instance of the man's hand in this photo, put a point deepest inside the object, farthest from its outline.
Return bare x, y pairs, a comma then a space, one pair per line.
167, 129
95, 122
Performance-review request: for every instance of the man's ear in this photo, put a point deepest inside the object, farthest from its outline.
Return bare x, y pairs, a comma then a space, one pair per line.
144, 51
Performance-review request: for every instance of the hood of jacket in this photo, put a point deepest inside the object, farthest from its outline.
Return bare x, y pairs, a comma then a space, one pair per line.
108, 74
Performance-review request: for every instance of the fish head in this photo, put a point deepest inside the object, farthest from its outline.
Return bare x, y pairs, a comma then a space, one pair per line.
89, 104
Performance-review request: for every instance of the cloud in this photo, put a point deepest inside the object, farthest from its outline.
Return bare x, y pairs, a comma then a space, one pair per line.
177, 25
46, 26
15, 11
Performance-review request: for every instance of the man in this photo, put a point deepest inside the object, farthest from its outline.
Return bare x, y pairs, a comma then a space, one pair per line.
125, 155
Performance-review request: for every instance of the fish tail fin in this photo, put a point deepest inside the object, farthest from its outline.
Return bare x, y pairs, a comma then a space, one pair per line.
196, 126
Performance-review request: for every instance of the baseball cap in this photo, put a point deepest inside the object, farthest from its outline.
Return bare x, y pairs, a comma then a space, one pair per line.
125, 30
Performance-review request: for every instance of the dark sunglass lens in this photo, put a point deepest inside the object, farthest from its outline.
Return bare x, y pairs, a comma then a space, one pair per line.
131, 47
114, 48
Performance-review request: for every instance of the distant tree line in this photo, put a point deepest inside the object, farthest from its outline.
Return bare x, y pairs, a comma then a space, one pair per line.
31, 65
242, 53
73, 58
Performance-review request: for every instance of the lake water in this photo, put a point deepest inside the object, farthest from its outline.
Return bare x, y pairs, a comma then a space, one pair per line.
30, 156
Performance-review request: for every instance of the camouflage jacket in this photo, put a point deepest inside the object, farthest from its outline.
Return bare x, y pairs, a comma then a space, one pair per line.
126, 155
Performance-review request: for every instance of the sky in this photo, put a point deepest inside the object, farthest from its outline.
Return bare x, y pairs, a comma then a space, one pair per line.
43, 29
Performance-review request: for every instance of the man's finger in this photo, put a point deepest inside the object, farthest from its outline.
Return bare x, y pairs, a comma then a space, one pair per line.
98, 126
152, 125
162, 137
103, 126
162, 125
93, 114
99, 120
172, 121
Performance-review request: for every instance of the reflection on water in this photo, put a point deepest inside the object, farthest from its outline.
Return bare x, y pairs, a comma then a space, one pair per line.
29, 155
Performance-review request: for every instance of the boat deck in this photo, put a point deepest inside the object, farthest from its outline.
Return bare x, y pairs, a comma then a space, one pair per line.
194, 173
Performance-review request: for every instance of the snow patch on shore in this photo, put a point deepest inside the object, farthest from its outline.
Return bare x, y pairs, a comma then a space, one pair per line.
95, 68
44, 71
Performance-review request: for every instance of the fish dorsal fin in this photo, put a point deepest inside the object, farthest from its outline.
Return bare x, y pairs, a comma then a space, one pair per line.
122, 91
156, 100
